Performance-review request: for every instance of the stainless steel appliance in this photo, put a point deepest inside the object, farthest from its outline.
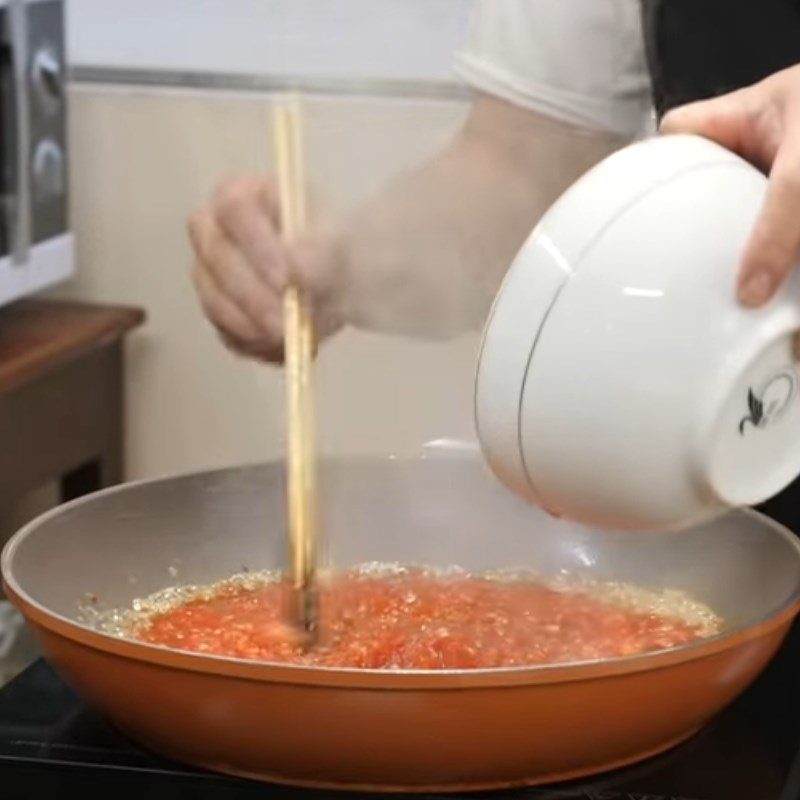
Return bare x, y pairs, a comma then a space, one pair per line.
36, 246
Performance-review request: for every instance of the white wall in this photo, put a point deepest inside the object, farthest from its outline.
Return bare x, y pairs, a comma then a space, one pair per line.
399, 39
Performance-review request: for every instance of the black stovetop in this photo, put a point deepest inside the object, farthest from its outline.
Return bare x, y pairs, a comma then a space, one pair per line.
50, 741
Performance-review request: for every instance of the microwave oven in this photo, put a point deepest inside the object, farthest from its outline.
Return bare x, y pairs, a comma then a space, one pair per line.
36, 245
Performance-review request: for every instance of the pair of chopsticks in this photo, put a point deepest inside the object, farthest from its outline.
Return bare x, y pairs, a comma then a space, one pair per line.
287, 133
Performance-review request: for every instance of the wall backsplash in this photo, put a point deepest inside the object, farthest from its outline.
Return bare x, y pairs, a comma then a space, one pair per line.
142, 161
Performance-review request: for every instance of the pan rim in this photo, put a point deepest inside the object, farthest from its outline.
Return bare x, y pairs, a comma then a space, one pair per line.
400, 679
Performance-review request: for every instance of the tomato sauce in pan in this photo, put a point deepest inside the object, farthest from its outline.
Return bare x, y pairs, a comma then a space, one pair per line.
418, 620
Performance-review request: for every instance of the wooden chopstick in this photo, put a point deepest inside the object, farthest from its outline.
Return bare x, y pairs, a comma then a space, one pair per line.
287, 131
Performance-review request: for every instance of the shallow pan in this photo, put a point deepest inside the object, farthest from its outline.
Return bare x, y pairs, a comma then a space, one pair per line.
404, 731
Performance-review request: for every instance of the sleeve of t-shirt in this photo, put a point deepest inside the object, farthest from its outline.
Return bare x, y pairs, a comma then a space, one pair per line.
578, 61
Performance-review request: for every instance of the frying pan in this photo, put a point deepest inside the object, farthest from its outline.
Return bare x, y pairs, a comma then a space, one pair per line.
393, 730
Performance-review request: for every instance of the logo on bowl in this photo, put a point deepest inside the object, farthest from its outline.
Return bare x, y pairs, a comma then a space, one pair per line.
771, 402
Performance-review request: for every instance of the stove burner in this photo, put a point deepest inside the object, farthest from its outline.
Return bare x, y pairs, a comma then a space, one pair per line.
50, 741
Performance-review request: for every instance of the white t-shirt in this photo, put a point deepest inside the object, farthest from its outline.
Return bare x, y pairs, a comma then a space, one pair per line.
579, 61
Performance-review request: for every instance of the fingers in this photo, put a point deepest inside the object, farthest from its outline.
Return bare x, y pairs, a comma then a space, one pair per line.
244, 308
243, 267
719, 119
231, 271
773, 250
762, 124
245, 212
221, 311
736, 121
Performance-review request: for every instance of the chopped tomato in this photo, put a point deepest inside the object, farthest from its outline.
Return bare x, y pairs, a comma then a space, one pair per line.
418, 620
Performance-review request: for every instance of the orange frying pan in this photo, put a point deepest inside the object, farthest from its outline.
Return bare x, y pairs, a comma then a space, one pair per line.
404, 731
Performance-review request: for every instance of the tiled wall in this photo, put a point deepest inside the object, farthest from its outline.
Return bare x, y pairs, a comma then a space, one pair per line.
142, 160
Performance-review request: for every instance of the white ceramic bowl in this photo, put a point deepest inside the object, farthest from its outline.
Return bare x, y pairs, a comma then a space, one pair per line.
620, 383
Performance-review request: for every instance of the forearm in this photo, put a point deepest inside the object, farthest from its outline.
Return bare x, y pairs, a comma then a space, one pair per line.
426, 256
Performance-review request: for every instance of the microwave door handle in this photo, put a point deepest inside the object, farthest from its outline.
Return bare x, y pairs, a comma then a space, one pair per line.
21, 205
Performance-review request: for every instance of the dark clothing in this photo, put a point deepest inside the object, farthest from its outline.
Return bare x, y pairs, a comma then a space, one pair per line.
703, 48
698, 49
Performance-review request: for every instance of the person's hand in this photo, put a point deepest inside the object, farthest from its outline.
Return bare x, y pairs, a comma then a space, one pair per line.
243, 266
762, 124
